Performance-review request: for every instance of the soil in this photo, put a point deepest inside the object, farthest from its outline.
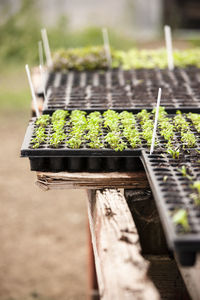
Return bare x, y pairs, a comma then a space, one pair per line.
43, 235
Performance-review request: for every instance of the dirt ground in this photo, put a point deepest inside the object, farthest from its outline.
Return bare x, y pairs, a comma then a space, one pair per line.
43, 235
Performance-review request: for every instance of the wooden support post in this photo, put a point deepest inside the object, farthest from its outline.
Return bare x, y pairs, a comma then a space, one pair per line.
121, 270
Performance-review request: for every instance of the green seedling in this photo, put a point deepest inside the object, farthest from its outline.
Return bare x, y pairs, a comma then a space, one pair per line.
195, 118
196, 185
57, 138
59, 115
188, 138
175, 153
196, 197
74, 142
94, 58
180, 217
94, 130
184, 172
115, 142
43, 121
165, 178
147, 126
122, 129
39, 138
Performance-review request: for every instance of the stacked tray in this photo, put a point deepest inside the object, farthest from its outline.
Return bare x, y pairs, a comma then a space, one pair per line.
118, 89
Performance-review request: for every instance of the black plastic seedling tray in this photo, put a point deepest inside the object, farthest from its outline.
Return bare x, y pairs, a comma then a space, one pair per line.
119, 90
170, 193
174, 193
46, 158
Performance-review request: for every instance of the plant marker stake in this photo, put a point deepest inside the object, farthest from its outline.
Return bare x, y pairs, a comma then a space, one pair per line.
32, 91
40, 51
107, 46
156, 121
168, 41
46, 47
43, 81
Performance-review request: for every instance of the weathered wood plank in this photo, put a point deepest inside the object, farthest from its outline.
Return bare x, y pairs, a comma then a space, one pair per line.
191, 277
66, 180
121, 270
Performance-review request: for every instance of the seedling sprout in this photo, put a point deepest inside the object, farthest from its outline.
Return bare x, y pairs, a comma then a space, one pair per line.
181, 218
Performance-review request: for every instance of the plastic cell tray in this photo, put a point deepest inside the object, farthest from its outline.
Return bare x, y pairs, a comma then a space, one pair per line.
118, 89
172, 194
47, 158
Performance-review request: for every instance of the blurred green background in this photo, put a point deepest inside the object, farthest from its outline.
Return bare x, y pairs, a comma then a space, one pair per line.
19, 36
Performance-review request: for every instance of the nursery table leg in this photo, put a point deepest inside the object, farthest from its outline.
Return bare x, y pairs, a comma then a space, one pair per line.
114, 231
121, 270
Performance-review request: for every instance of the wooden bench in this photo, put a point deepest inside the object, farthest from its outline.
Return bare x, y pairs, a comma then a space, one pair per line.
129, 258
122, 221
